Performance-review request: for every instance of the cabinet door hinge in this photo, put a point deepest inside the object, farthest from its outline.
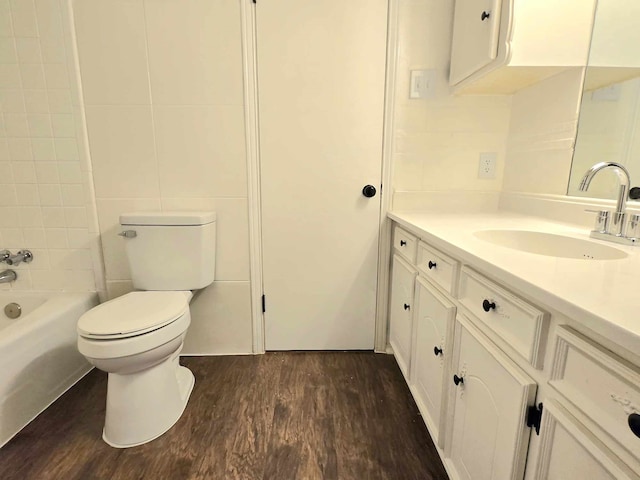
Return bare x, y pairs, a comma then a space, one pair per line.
534, 416
264, 304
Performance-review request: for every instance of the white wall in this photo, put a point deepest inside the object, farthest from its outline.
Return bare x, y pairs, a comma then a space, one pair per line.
437, 141
46, 198
163, 88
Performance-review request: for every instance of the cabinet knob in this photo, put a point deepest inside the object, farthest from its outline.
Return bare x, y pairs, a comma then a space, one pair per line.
458, 380
432, 264
437, 351
634, 424
402, 243
369, 191
487, 305
485, 15
407, 306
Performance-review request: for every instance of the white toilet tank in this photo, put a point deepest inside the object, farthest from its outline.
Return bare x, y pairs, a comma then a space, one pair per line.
170, 250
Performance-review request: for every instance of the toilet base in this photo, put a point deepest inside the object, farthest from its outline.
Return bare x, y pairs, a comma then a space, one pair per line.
142, 406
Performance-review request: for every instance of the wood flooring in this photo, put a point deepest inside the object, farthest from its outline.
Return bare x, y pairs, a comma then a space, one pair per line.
279, 416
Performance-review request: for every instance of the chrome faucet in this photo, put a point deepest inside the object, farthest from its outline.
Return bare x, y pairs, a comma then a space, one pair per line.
618, 232
22, 256
8, 276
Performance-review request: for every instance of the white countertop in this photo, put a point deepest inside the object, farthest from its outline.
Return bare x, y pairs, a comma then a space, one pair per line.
602, 295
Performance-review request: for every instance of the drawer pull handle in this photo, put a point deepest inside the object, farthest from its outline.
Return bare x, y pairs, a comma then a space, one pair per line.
432, 264
407, 306
487, 305
437, 351
634, 424
402, 243
458, 380
485, 15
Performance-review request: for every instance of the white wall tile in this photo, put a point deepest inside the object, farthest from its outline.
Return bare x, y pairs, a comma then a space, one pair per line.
220, 320
199, 65
28, 50
201, 151
23, 17
112, 49
122, 151
8, 50
12, 101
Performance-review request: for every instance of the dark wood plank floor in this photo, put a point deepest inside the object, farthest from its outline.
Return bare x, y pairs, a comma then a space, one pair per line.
277, 416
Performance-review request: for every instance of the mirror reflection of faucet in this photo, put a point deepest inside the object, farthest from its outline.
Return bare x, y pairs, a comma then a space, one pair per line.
614, 227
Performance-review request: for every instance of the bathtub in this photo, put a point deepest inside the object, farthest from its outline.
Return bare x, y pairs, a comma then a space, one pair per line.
39, 360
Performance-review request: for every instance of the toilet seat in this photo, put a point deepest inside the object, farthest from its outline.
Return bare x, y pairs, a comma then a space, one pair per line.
133, 314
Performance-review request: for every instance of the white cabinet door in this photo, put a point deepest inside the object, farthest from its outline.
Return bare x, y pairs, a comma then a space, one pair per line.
489, 440
568, 450
476, 28
433, 327
400, 312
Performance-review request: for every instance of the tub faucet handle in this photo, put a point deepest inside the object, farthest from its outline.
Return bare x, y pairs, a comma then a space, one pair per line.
4, 255
22, 256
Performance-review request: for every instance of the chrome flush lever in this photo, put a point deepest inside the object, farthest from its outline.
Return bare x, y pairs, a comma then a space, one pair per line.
128, 234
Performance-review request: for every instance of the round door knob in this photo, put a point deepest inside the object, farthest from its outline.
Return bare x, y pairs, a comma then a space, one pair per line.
369, 191
432, 264
487, 305
437, 351
634, 424
485, 15
407, 306
458, 380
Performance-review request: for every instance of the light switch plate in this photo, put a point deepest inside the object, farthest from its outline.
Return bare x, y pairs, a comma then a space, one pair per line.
422, 84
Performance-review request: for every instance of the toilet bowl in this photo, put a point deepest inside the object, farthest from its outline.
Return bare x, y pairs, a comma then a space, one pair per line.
137, 339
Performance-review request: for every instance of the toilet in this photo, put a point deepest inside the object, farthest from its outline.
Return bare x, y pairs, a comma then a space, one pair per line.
137, 338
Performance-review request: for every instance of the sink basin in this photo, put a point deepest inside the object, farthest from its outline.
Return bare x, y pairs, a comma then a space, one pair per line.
551, 245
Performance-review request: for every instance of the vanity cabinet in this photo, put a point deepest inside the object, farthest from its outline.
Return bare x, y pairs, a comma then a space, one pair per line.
500, 46
507, 387
489, 437
569, 450
400, 311
432, 339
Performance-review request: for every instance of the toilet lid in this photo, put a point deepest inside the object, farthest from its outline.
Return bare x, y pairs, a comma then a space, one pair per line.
133, 314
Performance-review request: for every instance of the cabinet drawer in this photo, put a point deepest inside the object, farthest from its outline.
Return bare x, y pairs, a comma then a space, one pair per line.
438, 267
605, 388
405, 244
519, 324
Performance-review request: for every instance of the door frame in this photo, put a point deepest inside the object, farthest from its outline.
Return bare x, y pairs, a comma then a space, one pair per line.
252, 140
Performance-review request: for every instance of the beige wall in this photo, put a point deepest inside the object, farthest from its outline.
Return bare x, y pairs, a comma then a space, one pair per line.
46, 198
163, 88
437, 141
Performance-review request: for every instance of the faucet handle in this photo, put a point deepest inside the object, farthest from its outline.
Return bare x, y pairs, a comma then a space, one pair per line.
634, 226
603, 218
4, 255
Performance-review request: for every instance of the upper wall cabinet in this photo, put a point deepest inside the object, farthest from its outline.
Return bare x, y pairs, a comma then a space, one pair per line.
501, 46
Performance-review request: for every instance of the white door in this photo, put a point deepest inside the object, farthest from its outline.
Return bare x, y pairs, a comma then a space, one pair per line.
490, 438
321, 69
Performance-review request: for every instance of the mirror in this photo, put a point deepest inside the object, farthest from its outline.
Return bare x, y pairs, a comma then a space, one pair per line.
609, 124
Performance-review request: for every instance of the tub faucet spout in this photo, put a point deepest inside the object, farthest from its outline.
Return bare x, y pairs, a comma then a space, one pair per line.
8, 276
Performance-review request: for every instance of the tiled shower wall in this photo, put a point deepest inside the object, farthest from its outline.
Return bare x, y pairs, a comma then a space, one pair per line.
163, 90
46, 198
